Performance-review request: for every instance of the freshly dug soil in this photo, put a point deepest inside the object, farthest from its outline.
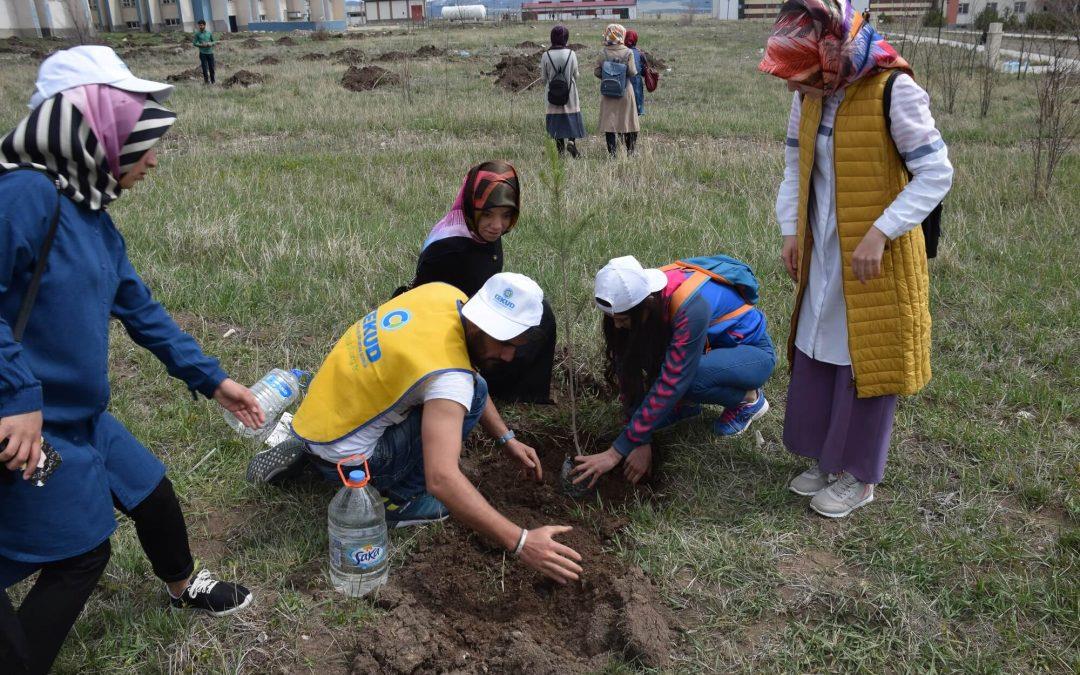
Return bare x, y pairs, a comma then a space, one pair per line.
314, 56
528, 44
392, 56
185, 75
268, 61
459, 605
368, 78
287, 41
251, 43
429, 51
349, 56
513, 73
577, 46
654, 61
245, 78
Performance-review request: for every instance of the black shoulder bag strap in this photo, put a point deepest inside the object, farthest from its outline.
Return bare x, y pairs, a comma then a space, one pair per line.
39, 269
931, 226
560, 71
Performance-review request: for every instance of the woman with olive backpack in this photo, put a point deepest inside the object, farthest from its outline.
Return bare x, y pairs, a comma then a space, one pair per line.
559, 68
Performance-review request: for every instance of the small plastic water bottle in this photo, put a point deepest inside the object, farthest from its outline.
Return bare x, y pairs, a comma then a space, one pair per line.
275, 392
359, 545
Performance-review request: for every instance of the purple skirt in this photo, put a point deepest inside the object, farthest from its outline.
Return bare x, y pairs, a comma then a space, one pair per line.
826, 421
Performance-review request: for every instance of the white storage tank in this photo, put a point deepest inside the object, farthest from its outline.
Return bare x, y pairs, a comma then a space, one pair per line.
464, 12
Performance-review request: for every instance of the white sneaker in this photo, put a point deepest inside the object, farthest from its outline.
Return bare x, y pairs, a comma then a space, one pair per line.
810, 482
842, 497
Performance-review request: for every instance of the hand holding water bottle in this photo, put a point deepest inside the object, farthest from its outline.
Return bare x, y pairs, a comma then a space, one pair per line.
238, 400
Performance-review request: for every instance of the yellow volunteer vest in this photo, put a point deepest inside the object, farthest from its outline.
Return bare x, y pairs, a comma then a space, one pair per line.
888, 318
381, 358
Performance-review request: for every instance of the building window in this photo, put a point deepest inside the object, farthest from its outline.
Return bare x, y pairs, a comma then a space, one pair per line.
262, 17
134, 24
1019, 7
168, 2
127, 3
992, 6
172, 21
965, 8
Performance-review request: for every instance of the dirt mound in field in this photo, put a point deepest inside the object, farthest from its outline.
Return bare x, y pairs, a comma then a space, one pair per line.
185, 75
314, 56
287, 41
268, 61
392, 56
457, 606
528, 44
654, 61
514, 73
245, 78
349, 56
251, 43
577, 46
429, 51
368, 78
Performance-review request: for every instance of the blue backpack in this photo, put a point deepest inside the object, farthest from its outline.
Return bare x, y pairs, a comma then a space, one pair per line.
613, 79
721, 268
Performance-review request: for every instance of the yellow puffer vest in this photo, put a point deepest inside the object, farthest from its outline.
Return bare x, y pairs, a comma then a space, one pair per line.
381, 358
888, 318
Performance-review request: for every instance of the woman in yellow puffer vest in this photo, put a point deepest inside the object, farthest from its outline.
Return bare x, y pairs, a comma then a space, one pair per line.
855, 189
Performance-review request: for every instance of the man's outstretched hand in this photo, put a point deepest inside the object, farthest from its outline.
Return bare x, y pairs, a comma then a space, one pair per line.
550, 558
526, 456
238, 399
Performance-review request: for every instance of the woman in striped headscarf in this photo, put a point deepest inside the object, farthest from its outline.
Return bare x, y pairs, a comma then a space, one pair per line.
865, 165
89, 136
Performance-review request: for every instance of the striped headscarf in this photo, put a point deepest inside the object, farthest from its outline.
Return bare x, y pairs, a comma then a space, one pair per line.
614, 34
86, 137
826, 45
486, 186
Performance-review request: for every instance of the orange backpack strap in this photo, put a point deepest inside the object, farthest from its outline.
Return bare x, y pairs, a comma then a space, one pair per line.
733, 314
686, 289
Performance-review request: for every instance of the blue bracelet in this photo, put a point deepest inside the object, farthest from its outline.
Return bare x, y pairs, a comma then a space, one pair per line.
505, 438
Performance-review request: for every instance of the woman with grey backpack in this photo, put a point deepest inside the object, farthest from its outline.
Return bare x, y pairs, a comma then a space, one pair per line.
559, 68
618, 107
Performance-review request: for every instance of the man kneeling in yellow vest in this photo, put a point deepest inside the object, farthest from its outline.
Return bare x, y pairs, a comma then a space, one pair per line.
400, 390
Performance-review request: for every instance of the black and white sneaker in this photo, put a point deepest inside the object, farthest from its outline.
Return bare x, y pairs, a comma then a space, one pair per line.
207, 594
284, 460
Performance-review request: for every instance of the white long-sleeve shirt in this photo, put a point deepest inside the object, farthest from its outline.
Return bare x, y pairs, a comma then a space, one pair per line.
822, 328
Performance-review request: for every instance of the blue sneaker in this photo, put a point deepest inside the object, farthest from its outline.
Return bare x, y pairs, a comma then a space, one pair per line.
736, 420
680, 413
420, 511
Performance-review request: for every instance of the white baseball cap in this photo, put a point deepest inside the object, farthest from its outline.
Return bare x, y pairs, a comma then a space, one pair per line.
623, 283
506, 306
91, 64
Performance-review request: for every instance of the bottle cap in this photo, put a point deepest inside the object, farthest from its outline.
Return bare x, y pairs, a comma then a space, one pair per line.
357, 475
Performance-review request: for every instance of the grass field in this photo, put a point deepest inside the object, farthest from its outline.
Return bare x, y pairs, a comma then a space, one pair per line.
288, 210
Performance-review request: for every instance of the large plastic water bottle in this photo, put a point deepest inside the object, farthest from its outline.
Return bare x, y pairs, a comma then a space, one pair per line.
359, 545
275, 392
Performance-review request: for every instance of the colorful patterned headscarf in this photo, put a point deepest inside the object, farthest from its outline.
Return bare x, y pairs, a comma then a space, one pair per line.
631, 38
826, 45
486, 186
614, 34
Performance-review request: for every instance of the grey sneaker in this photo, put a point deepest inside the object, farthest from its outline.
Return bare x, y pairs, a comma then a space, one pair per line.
810, 482
842, 497
284, 460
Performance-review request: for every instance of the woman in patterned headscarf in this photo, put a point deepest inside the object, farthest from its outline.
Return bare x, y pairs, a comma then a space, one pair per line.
83, 143
849, 215
464, 249
618, 115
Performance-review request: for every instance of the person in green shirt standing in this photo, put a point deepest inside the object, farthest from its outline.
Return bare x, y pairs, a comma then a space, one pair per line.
204, 40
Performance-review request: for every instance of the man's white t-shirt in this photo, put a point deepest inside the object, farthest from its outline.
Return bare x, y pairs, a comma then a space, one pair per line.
454, 386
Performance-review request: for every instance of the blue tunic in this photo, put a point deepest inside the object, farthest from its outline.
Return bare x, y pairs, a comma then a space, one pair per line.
61, 368
638, 81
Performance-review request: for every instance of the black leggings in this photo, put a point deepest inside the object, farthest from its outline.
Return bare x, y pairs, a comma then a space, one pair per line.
34, 635
629, 139
564, 144
206, 61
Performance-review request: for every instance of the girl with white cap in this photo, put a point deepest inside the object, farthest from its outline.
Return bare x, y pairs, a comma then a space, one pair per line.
676, 337
89, 136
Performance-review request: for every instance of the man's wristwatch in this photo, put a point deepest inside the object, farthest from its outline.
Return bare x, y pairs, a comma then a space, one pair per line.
505, 438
